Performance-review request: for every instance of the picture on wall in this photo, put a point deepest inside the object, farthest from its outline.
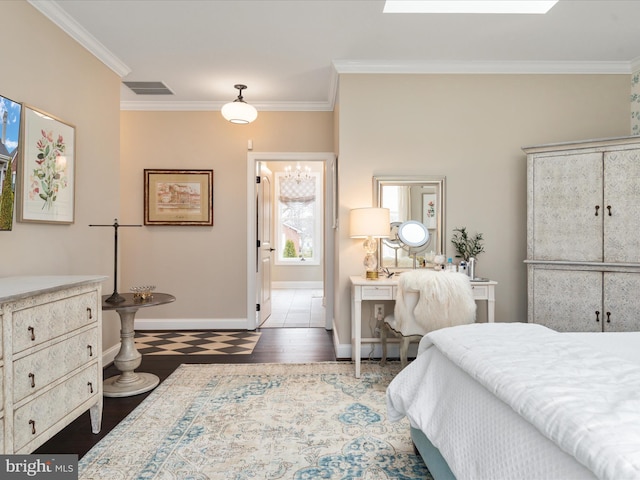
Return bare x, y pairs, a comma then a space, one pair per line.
10, 113
178, 197
429, 216
47, 169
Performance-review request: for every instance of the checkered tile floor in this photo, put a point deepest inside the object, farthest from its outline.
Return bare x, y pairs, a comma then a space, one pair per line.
196, 343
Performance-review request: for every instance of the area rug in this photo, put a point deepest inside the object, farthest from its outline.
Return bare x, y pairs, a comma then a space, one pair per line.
196, 343
261, 421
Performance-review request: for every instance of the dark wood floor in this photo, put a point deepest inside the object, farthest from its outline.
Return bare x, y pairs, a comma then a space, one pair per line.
276, 345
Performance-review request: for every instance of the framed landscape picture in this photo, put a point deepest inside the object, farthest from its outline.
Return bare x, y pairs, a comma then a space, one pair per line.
178, 197
10, 115
47, 169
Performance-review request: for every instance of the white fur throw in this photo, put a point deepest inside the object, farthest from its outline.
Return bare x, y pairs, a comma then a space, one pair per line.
445, 300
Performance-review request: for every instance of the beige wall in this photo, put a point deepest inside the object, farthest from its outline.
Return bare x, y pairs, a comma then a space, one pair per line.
204, 267
471, 129
45, 68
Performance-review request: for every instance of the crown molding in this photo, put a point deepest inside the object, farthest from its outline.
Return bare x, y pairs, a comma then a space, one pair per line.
57, 15
168, 106
635, 65
471, 67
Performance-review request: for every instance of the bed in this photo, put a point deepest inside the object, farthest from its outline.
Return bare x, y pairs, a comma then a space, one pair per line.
521, 401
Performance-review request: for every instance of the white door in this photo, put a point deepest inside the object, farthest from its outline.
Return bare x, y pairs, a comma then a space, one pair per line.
265, 241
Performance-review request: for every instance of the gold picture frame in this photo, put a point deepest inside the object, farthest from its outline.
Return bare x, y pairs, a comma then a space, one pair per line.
178, 197
47, 169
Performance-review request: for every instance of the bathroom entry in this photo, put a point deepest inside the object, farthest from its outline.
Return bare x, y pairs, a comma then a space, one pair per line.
290, 210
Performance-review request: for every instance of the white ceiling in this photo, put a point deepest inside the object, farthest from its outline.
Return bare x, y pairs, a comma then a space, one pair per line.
289, 52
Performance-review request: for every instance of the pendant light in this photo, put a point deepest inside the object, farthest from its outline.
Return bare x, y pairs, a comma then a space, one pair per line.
239, 111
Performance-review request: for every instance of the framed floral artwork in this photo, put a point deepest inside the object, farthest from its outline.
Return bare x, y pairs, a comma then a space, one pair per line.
10, 114
178, 197
47, 169
429, 216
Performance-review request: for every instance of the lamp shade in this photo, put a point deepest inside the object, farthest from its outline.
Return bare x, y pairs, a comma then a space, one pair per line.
369, 222
239, 111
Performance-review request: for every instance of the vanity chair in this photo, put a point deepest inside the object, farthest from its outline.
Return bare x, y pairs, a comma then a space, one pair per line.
427, 300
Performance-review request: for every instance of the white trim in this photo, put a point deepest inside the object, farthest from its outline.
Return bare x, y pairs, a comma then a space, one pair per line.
110, 354
62, 19
206, 106
504, 67
297, 285
190, 324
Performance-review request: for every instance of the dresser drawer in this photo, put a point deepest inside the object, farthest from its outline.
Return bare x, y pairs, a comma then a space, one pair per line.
480, 292
35, 325
35, 417
33, 372
384, 292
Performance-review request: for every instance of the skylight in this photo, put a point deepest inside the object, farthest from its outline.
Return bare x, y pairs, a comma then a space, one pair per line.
469, 6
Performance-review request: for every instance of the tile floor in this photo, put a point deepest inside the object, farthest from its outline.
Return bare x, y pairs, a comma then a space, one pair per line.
196, 343
296, 308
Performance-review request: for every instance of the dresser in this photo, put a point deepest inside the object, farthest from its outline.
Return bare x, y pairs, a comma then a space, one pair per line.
583, 235
50, 357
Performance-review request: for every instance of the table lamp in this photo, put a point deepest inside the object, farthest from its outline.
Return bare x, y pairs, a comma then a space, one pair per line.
370, 223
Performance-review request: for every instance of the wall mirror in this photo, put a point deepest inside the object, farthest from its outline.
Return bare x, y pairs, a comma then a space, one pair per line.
411, 198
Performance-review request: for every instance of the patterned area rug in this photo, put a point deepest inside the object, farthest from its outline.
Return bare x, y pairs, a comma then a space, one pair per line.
261, 421
196, 343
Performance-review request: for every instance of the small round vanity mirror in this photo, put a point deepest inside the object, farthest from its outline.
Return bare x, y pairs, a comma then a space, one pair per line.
413, 233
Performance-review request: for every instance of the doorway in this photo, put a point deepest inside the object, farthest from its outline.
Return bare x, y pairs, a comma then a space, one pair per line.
260, 254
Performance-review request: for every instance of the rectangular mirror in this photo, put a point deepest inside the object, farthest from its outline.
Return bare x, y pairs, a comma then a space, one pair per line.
417, 198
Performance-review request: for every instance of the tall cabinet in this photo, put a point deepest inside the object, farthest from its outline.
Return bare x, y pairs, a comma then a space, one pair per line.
583, 235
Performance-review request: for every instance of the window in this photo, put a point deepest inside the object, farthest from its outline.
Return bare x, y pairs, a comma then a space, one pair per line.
298, 216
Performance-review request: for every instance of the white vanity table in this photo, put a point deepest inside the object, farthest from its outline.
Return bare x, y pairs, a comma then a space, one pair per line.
363, 289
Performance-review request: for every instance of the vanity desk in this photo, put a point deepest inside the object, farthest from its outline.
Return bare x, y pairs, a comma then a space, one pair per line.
363, 289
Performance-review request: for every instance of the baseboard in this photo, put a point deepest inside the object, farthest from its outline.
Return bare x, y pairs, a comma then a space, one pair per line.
191, 324
371, 350
109, 354
298, 285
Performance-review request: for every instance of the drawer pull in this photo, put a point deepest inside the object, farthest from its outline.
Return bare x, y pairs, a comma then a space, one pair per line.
597, 316
90, 385
90, 313
32, 331
33, 426
90, 348
33, 380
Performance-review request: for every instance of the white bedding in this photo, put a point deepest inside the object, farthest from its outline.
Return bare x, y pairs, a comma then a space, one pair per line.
520, 401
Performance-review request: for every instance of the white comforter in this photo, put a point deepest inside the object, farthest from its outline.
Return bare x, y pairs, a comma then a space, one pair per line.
584, 401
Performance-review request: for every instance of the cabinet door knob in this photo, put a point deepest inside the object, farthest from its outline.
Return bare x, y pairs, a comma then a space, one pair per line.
597, 208
33, 426
32, 331
33, 380
608, 317
609, 208
597, 316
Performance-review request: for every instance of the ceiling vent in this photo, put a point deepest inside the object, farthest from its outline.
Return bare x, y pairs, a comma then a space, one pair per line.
148, 88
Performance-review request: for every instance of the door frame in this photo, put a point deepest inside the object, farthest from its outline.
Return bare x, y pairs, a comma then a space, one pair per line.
328, 158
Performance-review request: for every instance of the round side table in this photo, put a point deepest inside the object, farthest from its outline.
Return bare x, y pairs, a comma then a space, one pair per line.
129, 382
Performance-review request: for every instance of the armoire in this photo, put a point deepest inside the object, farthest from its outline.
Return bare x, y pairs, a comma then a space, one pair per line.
583, 235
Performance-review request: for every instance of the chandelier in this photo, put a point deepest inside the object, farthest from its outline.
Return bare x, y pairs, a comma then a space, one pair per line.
297, 185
